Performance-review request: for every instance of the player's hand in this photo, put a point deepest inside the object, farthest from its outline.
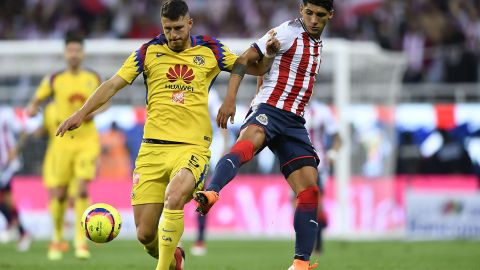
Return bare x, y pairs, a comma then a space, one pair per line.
272, 45
32, 109
12, 155
71, 123
226, 111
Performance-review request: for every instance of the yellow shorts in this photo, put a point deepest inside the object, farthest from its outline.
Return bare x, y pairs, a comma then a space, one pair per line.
157, 164
47, 169
71, 162
48, 174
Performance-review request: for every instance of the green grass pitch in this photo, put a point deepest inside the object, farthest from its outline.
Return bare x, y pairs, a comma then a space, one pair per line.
261, 255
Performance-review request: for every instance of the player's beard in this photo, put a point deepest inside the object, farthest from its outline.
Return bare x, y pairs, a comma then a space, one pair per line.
74, 64
177, 45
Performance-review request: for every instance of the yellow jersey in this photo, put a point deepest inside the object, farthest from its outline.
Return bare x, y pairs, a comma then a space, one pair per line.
177, 86
50, 122
69, 92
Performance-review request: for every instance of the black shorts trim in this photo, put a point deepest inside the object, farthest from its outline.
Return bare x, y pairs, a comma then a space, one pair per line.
298, 163
155, 141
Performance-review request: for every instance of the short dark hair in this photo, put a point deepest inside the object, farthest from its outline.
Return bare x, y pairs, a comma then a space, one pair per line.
174, 9
73, 37
327, 4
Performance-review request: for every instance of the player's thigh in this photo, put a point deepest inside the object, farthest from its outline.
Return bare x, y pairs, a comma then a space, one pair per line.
302, 178
298, 160
196, 160
147, 217
180, 189
63, 162
48, 171
85, 163
254, 134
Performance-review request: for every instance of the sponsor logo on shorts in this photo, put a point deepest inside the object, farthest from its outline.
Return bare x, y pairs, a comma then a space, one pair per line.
262, 118
178, 97
136, 178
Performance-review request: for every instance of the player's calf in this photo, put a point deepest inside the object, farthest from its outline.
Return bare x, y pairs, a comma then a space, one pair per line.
306, 222
228, 166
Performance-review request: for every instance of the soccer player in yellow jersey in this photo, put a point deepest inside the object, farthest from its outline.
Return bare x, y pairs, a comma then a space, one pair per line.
72, 157
172, 163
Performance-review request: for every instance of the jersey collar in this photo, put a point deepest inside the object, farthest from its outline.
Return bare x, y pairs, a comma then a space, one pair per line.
305, 28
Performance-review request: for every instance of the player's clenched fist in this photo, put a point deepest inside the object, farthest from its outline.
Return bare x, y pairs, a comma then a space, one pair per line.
272, 45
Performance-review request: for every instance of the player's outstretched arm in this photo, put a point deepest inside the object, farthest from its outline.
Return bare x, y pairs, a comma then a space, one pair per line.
102, 95
250, 62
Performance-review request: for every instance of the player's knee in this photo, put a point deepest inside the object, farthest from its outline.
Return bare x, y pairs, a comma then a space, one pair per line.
60, 195
308, 198
146, 235
245, 149
175, 199
82, 194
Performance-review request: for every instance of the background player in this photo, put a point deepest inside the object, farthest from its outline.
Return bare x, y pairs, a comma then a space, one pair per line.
173, 159
323, 130
218, 149
276, 121
9, 165
73, 157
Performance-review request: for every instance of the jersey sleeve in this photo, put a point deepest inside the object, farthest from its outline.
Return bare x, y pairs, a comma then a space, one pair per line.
226, 62
45, 90
134, 65
281, 33
224, 56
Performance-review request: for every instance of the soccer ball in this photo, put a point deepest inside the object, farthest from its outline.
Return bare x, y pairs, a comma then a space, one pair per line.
102, 222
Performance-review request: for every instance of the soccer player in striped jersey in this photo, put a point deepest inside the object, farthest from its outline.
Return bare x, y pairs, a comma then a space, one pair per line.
172, 162
276, 119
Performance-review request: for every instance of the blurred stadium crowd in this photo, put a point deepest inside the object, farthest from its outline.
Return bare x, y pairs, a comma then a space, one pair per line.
440, 37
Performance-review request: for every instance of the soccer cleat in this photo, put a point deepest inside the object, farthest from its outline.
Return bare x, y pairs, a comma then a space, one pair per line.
179, 258
302, 265
82, 252
24, 243
205, 200
199, 249
55, 251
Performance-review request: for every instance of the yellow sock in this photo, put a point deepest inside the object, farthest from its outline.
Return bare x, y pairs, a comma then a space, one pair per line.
152, 248
57, 211
80, 205
170, 231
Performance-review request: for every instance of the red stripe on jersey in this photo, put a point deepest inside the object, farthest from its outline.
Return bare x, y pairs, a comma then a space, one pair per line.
284, 70
309, 91
301, 71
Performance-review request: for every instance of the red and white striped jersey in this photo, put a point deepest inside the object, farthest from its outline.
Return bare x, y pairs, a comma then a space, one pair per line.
289, 83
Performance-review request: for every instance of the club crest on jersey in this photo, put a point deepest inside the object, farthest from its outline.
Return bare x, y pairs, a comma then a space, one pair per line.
199, 60
262, 118
77, 98
178, 97
180, 72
